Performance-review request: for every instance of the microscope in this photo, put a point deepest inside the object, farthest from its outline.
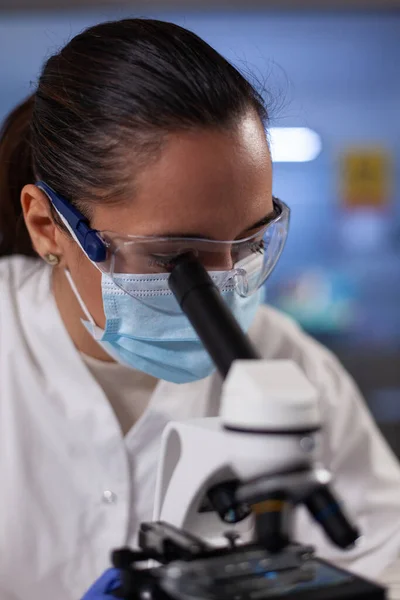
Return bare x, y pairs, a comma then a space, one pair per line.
228, 487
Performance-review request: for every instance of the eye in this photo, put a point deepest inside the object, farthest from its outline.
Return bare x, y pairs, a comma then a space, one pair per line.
257, 246
163, 261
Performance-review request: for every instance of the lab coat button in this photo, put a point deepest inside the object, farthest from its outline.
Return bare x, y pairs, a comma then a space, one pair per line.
109, 497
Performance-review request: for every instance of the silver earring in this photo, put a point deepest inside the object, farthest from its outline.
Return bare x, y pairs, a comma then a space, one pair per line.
52, 259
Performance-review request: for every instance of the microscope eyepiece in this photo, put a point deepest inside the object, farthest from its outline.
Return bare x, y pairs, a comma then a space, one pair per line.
208, 313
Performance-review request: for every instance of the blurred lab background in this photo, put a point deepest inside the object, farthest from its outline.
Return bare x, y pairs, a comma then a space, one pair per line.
330, 72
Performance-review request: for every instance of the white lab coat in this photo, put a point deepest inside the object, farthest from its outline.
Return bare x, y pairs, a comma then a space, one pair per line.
72, 488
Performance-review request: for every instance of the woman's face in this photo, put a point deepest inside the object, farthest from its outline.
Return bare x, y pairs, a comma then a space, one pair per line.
205, 183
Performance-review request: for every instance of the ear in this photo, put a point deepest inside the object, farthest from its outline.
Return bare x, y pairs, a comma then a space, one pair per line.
39, 221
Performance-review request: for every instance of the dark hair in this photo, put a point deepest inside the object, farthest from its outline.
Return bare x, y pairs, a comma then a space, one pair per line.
115, 87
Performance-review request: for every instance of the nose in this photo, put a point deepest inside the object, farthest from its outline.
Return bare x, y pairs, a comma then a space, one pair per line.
218, 261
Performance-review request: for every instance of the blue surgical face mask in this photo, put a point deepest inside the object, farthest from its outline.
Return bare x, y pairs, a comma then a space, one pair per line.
147, 330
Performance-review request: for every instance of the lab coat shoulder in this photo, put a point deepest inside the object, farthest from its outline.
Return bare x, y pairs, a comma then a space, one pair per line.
366, 473
7, 277
277, 336
343, 409
16, 273
16, 270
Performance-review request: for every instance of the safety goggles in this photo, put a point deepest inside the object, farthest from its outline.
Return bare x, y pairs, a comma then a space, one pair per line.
244, 264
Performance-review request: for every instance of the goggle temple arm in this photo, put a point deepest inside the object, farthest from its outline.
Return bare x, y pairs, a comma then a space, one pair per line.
88, 238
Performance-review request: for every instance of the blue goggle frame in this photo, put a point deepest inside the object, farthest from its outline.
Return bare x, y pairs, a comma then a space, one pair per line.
89, 239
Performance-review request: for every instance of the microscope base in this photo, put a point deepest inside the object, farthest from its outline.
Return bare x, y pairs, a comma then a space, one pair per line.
240, 573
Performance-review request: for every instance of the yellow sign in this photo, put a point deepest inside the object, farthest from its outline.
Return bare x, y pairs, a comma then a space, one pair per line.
366, 177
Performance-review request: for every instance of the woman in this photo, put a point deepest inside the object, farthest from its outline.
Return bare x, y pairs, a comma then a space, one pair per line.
141, 131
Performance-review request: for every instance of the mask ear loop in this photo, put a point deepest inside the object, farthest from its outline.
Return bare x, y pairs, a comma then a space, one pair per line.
95, 330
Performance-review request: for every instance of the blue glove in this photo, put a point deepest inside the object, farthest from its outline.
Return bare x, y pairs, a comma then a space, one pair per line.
102, 588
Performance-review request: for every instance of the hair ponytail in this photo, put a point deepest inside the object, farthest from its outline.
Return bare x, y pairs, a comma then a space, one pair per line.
16, 170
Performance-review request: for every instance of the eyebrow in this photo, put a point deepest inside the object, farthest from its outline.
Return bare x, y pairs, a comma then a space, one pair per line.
264, 221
